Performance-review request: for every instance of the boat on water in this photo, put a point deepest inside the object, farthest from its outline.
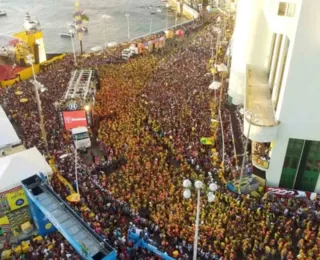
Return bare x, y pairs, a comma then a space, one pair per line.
74, 27
3, 13
66, 35
30, 24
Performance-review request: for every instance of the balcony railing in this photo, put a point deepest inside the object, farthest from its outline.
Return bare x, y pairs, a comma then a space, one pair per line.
260, 155
260, 123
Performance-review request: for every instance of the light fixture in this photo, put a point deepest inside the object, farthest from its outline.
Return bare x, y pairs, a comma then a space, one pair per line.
211, 197
213, 187
43, 89
187, 194
198, 184
186, 184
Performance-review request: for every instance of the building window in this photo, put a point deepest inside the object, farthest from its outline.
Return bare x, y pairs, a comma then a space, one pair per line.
282, 64
308, 172
301, 165
286, 9
291, 163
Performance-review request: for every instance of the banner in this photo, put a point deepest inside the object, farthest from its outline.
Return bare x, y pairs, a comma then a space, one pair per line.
282, 192
260, 162
207, 140
16, 199
74, 197
3, 204
73, 119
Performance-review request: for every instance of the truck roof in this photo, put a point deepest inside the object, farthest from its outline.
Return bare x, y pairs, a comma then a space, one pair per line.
78, 130
80, 84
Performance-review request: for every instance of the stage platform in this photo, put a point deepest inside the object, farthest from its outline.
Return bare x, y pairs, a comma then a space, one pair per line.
7, 72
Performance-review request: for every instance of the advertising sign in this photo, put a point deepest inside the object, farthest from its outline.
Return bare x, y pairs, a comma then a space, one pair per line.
282, 192
260, 162
73, 119
16, 199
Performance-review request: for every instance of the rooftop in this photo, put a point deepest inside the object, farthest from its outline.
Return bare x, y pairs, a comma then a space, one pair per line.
79, 85
9, 71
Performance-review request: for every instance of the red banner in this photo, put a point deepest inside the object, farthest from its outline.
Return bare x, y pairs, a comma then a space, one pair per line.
73, 119
282, 192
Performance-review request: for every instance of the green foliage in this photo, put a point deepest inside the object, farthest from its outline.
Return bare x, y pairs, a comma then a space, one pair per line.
85, 17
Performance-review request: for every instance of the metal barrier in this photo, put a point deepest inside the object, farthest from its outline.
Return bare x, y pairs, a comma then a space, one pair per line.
162, 30
140, 242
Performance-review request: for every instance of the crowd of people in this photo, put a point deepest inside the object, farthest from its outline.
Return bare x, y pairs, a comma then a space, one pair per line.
52, 246
153, 111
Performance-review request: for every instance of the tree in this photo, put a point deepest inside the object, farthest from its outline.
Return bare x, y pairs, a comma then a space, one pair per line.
79, 17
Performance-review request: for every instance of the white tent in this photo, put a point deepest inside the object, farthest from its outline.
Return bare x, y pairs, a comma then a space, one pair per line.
8, 135
19, 166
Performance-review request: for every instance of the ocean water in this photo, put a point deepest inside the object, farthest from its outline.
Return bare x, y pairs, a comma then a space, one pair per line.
54, 15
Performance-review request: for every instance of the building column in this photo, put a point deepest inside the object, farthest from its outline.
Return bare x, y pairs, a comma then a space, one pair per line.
277, 156
302, 165
279, 71
239, 41
317, 188
251, 45
274, 61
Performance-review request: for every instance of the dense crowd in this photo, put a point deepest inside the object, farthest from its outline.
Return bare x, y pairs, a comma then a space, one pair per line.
153, 111
52, 246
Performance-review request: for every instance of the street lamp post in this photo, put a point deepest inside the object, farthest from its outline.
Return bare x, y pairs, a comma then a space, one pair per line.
176, 16
72, 31
36, 85
74, 197
150, 26
76, 166
250, 116
167, 19
233, 142
105, 18
128, 24
187, 194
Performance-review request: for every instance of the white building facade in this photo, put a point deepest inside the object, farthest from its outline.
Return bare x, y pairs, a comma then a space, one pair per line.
275, 58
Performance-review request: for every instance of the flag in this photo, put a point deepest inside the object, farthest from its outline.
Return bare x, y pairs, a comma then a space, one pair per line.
213, 71
207, 140
74, 197
78, 20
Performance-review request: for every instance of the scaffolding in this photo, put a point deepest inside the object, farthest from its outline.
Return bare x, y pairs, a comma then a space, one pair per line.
80, 85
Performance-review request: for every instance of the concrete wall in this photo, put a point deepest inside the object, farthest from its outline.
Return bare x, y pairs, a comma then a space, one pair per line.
187, 11
299, 99
251, 45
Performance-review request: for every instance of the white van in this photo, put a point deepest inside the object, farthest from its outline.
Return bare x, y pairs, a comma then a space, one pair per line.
127, 54
81, 138
130, 52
